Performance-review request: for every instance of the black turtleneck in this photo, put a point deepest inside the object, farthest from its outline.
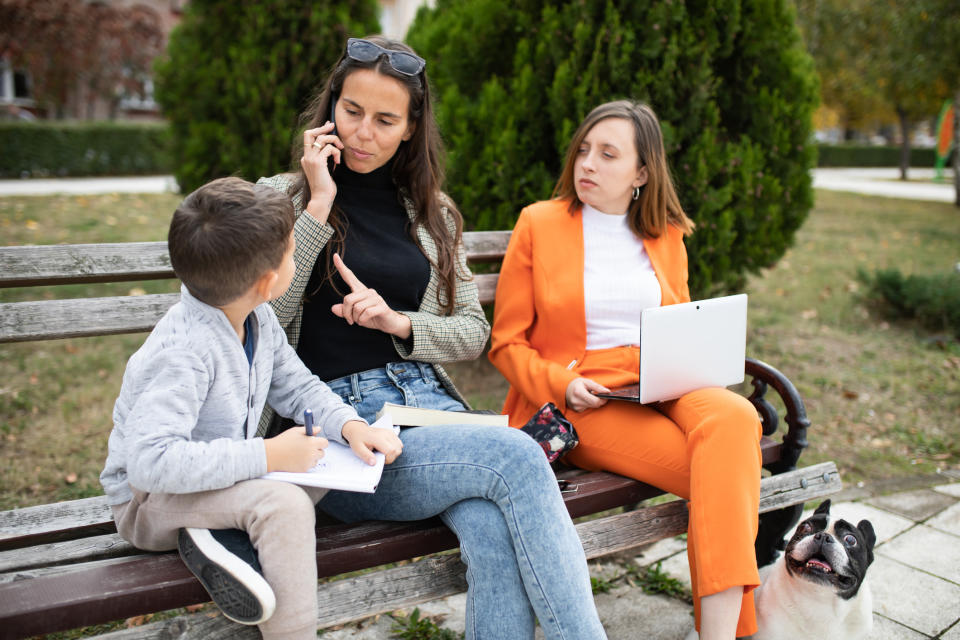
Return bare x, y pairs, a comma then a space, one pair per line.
379, 250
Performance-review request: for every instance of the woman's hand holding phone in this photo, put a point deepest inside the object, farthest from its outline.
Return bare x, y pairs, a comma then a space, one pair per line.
320, 146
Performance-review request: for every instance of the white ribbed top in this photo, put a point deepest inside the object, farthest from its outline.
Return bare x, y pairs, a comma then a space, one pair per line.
618, 280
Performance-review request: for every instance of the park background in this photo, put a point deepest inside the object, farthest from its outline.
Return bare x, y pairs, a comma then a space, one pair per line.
855, 298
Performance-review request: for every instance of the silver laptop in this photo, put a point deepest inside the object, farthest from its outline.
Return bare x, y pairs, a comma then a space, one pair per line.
688, 346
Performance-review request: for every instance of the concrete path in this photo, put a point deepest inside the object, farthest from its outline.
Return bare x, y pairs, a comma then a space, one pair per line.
879, 182
915, 577
88, 186
886, 182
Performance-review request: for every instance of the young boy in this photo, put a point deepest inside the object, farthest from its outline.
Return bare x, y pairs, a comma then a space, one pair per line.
183, 459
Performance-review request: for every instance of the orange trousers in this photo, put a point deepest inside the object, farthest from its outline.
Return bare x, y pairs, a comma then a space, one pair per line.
703, 447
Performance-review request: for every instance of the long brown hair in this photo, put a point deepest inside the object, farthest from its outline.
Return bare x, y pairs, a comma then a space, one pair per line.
658, 204
417, 166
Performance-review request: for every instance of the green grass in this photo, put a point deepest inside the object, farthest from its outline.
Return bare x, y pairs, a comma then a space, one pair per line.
56, 397
883, 397
652, 579
865, 381
413, 627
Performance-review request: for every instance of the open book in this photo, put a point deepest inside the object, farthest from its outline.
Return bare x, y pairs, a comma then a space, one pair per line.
419, 417
340, 468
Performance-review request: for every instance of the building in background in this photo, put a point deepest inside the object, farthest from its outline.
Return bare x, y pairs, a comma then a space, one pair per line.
396, 16
82, 59
90, 82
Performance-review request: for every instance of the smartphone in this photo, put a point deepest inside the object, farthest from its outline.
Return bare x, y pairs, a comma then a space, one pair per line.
333, 113
331, 164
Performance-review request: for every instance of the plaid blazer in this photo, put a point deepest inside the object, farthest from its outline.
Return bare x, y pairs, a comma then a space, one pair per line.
435, 337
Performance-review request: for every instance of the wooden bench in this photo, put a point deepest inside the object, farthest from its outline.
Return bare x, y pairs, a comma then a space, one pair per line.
63, 565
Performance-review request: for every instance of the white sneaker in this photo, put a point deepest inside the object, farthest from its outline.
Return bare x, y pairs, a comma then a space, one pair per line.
227, 566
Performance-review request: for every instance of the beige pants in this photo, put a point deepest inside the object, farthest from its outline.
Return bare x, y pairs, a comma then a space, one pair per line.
278, 517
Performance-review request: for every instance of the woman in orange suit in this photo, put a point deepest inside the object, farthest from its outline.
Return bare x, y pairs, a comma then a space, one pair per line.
578, 272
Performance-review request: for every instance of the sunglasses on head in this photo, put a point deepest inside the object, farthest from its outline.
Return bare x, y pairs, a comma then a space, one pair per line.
402, 62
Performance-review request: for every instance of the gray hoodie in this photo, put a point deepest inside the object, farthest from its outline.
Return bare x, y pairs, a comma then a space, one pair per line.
189, 404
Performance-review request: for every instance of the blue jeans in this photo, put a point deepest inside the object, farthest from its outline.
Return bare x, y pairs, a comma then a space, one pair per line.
494, 488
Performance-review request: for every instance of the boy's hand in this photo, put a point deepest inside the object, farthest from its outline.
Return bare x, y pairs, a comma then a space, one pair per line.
364, 439
294, 450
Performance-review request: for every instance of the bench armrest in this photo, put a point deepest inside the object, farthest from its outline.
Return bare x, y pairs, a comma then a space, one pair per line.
795, 440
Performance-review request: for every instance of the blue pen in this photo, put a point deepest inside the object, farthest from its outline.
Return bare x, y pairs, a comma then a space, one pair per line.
308, 421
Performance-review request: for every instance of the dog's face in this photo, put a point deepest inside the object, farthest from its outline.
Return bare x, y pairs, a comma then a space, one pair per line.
831, 553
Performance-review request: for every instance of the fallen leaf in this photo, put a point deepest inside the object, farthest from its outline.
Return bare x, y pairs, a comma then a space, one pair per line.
70, 348
137, 291
808, 314
31, 225
102, 373
193, 608
70, 478
137, 621
34, 379
850, 395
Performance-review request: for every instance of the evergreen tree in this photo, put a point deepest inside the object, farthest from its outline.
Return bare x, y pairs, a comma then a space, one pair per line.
730, 80
237, 74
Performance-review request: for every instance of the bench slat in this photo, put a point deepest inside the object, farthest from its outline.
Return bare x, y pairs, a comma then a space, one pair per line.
595, 492
63, 521
82, 317
387, 590
35, 265
100, 547
57, 521
29, 266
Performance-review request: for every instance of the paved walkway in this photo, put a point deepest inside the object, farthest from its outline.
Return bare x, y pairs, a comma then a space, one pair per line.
88, 186
879, 182
886, 182
915, 577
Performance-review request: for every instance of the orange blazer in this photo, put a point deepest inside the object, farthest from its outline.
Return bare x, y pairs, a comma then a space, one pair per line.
539, 322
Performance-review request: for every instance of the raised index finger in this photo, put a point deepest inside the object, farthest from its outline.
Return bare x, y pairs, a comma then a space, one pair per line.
348, 276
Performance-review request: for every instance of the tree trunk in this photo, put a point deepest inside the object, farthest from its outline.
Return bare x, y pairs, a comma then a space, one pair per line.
956, 147
905, 142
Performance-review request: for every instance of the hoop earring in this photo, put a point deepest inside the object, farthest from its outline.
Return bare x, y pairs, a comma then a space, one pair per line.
636, 193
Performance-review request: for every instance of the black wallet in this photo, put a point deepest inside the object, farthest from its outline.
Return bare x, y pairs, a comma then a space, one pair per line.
552, 431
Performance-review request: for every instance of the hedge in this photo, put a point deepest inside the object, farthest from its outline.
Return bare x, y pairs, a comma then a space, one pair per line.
933, 300
731, 81
237, 74
44, 149
869, 156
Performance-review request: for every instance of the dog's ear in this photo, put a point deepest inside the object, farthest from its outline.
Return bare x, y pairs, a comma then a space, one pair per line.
824, 508
869, 537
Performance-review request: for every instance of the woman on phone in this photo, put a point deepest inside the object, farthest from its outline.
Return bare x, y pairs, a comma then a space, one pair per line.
382, 295
578, 272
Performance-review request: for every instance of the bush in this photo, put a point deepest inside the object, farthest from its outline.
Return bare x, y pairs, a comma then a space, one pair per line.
934, 301
237, 74
730, 80
867, 156
41, 149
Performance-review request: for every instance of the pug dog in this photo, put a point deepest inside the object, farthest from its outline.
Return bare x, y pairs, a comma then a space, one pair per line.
818, 587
